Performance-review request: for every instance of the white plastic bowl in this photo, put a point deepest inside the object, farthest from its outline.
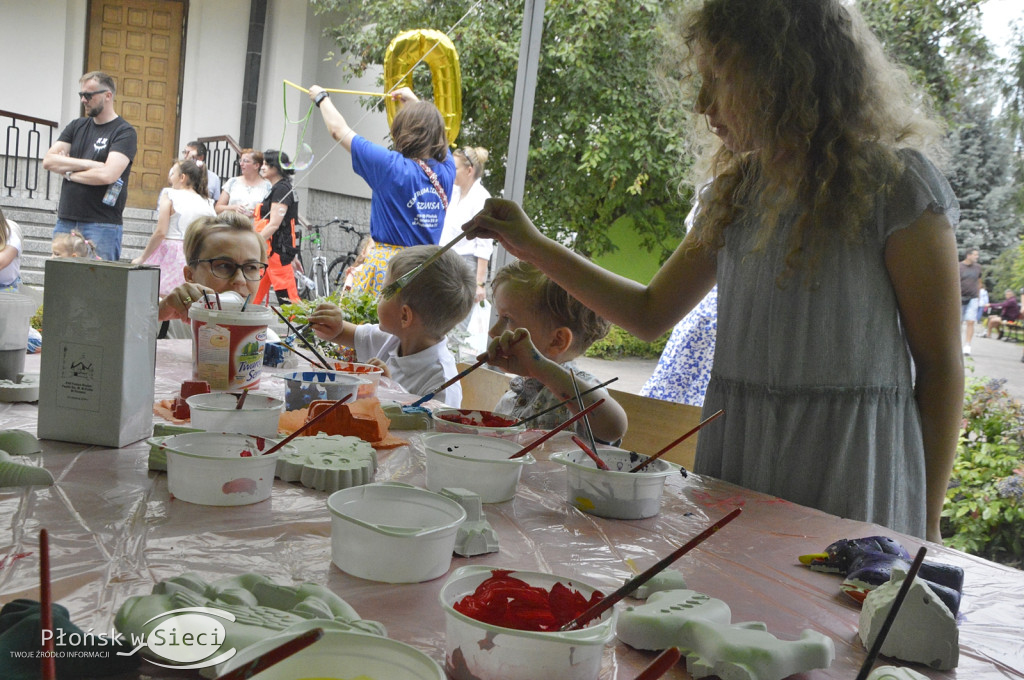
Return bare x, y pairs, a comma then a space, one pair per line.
480, 650
341, 654
615, 493
368, 372
301, 388
480, 464
207, 468
217, 412
511, 432
393, 533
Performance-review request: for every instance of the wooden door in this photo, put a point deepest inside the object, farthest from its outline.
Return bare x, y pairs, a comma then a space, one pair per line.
139, 43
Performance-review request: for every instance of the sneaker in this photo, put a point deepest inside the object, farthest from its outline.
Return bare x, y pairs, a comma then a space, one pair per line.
967, 349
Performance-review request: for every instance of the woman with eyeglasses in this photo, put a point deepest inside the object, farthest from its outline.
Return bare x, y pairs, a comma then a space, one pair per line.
223, 253
243, 193
180, 205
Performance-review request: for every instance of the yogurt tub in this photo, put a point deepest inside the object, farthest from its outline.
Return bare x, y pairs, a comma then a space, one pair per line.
480, 464
228, 343
474, 649
368, 372
210, 468
217, 412
615, 493
394, 533
475, 421
340, 654
304, 387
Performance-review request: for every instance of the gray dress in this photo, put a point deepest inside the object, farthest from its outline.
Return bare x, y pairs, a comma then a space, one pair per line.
816, 381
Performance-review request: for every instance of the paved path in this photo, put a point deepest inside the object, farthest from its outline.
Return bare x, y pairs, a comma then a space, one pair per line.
990, 358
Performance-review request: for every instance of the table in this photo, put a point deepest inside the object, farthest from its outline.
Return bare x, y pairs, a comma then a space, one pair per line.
114, 532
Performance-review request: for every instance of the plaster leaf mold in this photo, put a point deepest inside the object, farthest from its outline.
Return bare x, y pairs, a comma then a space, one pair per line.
328, 462
19, 442
895, 673
22, 474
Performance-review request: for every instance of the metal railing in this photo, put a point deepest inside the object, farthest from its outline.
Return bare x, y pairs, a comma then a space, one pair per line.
23, 153
222, 153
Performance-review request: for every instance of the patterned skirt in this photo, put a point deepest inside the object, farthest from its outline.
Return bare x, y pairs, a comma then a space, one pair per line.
370, 276
170, 257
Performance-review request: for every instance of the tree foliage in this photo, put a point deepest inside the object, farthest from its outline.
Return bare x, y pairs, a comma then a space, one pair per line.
598, 149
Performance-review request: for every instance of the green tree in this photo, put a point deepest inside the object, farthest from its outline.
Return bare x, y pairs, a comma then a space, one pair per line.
598, 149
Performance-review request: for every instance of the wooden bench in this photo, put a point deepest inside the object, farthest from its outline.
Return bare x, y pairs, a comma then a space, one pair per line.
1012, 331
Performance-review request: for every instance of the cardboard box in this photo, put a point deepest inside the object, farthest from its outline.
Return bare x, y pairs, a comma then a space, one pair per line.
99, 352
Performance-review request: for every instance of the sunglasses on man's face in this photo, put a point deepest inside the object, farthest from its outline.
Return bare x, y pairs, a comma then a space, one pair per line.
90, 95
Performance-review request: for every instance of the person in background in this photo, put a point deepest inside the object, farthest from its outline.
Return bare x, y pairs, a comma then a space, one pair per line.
275, 223
970, 287
411, 185
830, 235
10, 254
180, 205
540, 330
72, 244
982, 306
410, 340
246, 191
468, 199
223, 253
94, 154
196, 152
1000, 312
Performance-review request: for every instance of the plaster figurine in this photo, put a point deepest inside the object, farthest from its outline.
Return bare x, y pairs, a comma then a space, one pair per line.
700, 627
261, 607
475, 535
328, 462
924, 630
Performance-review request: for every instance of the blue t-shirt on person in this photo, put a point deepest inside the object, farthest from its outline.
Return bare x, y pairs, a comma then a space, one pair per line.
405, 209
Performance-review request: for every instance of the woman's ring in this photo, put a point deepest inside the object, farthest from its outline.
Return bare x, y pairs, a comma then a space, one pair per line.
187, 300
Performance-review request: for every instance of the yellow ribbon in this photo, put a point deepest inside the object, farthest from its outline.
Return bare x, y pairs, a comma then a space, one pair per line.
327, 89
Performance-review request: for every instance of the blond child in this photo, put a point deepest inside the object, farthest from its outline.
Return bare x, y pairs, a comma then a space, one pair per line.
72, 244
555, 329
409, 342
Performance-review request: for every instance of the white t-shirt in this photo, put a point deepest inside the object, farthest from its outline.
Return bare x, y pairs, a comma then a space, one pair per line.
11, 273
461, 209
187, 205
241, 193
418, 373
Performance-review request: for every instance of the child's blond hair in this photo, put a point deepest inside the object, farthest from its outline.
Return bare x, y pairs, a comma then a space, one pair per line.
442, 294
553, 302
74, 243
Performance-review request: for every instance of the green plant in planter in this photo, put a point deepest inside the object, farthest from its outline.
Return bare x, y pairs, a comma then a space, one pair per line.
358, 307
984, 510
619, 344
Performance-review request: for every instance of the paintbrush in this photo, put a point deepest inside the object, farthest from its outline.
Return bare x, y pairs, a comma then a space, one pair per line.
273, 656
647, 575
49, 662
457, 378
241, 399
548, 435
661, 664
563, 403
389, 291
668, 448
303, 340
586, 420
897, 602
601, 465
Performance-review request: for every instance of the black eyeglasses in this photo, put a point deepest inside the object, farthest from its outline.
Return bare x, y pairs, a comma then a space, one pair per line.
90, 95
223, 268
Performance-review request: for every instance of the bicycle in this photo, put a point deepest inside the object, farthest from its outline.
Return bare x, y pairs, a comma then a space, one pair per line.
319, 283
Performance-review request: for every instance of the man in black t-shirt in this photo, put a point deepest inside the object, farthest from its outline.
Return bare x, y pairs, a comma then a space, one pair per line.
970, 287
94, 154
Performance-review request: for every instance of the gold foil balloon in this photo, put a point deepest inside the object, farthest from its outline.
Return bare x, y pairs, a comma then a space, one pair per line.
440, 55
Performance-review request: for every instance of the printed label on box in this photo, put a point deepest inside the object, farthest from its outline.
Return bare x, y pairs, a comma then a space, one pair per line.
80, 370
